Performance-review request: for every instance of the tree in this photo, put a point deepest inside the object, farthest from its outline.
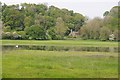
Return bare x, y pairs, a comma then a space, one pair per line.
0, 10
78, 21
111, 20
13, 18
117, 35
60, 27
41, 9
22, 18
91, 29
52, 33
106, 13
35, 32
84, 31
28, 21
104, 33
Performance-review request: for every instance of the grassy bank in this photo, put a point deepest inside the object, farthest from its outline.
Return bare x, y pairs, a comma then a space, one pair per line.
88, 43
54, 64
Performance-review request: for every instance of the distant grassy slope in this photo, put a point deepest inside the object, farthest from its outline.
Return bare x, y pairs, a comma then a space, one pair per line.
88, 43
53, 64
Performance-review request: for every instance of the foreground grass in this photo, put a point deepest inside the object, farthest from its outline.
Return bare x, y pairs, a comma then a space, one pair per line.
88, 43
0, 60
53, 64
0, 63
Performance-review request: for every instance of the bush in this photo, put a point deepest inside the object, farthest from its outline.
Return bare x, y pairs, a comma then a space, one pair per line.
52, 34
23, 35
84, 33
104, 33
7, 28
6, 35
15, 35
36, 32
117, 35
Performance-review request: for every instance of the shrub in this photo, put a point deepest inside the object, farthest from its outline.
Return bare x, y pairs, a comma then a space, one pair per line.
6, 35
117, 35
15, 35
104, 33
23, 35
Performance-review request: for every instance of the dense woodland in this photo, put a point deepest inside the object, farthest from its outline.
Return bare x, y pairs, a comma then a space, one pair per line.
42, 22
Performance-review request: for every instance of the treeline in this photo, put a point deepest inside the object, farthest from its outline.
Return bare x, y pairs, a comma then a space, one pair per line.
42, 22
103, 29
38, 21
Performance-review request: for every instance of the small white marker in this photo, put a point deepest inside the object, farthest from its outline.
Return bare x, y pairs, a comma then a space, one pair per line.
16, 46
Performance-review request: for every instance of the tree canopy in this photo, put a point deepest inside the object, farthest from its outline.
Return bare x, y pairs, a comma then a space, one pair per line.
102, 28
38, 20
42, 22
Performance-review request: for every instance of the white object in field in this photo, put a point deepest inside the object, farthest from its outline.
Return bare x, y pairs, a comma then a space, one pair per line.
112, 37
16, 46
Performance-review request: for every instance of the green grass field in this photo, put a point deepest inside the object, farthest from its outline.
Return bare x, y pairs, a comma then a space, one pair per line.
54, 64
88, 43
0, 63
59, 64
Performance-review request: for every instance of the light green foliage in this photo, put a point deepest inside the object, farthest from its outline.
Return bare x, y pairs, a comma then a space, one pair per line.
104, 33
84, 32
22, 35
28, 21
7, 28
60, 27
91, 29
117, 35
111, 20
101, 28
6, 35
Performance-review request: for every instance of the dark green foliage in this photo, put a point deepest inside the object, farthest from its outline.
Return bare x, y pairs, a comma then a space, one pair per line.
52, 34
11, 16
38, 21
106, 13
35, 32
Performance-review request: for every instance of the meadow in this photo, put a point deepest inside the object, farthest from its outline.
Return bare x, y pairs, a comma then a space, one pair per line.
0, 63
82, 43
54, 64
59, 64
33, 45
